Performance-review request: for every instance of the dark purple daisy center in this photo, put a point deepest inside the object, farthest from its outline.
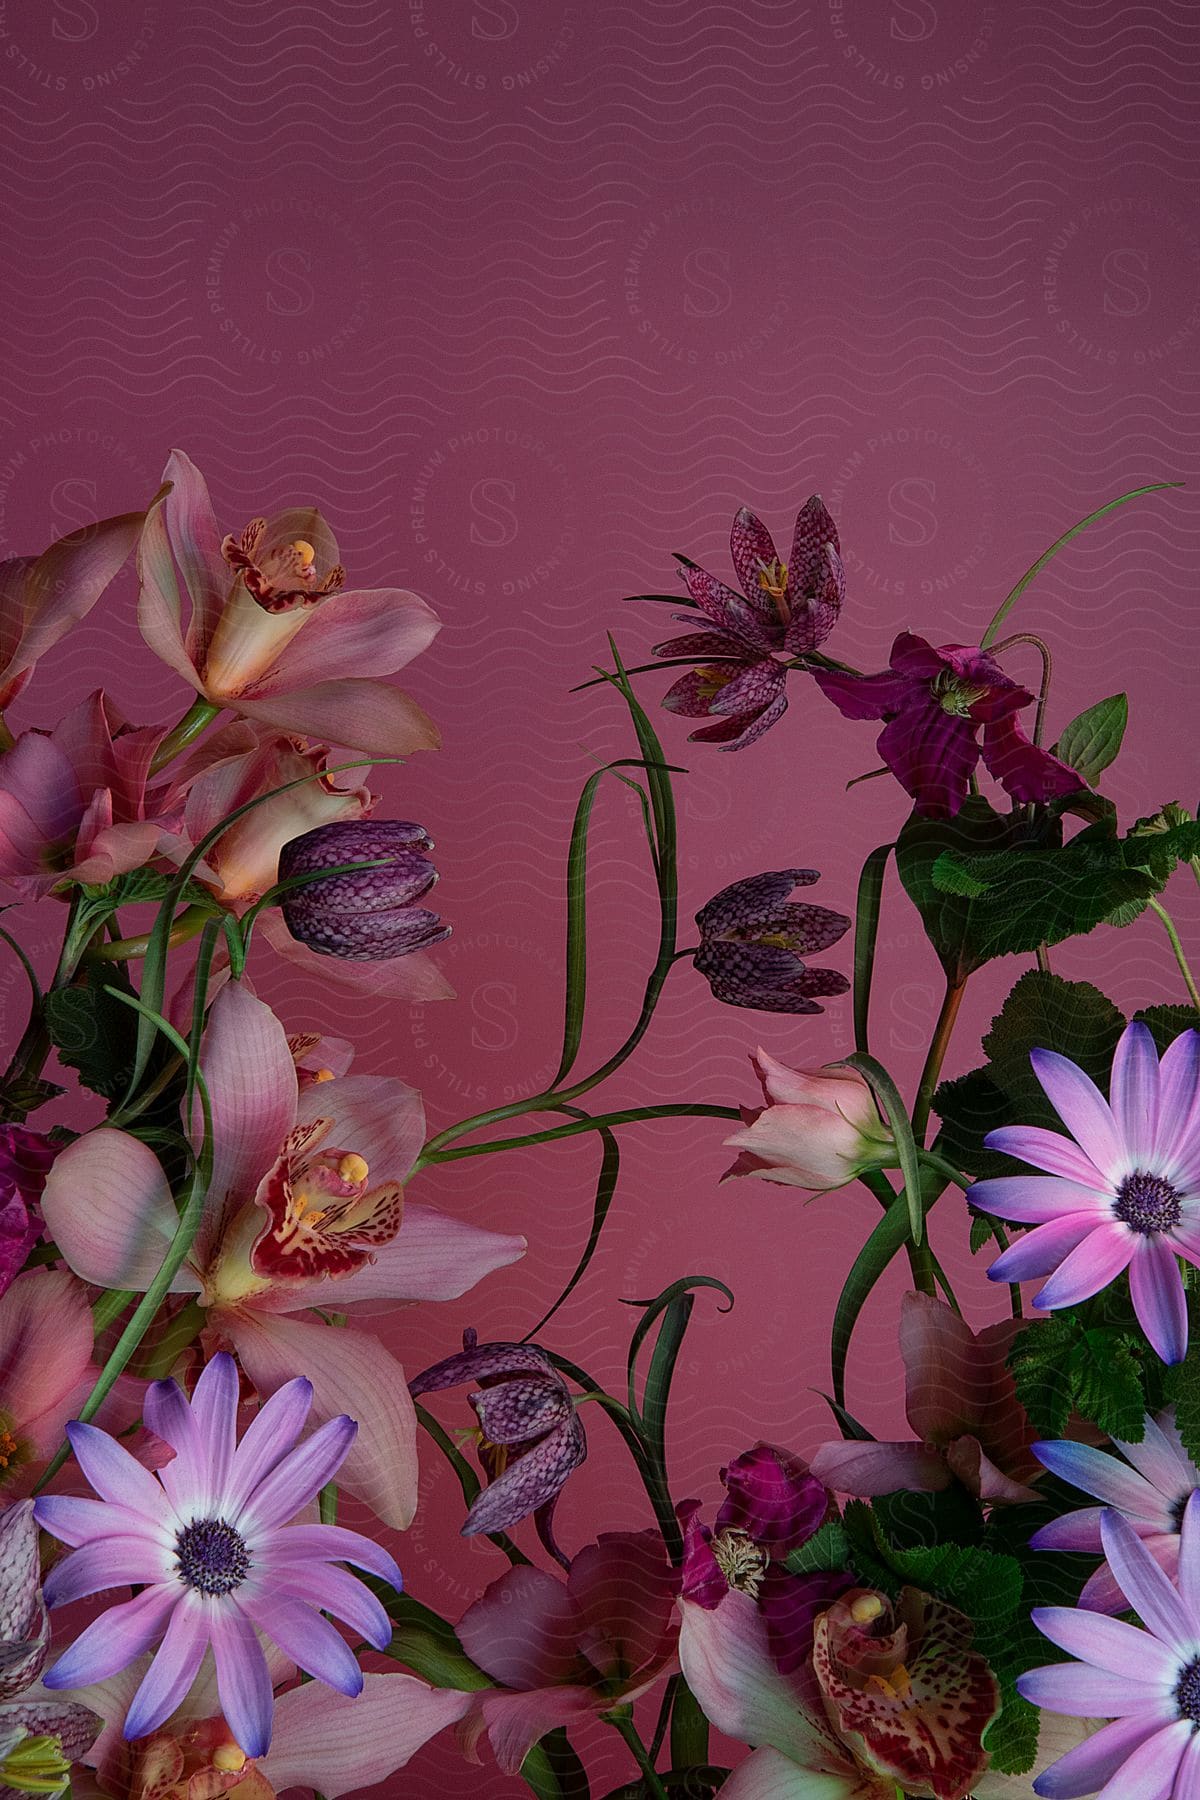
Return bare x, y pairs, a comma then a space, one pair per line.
1147, 1203
1187, 1692
211, 1556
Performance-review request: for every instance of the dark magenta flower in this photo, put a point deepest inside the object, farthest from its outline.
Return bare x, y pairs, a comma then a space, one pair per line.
530, 1435
368, 915
752, 939
934, 702
785, 610
25, 1159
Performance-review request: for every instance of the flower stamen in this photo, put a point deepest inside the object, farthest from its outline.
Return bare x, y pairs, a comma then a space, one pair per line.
211, 1556
1147, 1203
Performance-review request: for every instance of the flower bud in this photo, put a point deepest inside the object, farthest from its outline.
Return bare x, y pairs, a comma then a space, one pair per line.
819, 1129
367, 915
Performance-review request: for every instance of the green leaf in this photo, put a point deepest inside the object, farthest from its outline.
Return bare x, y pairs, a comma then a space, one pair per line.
981, 1583
1014, 594
1183, 1390
1042, 1011
689, 1729
866, 931
949, 918
553, 1770
896, 1113
427, 1644
1166, 1022
654, 1309
1063, 1365
890, 1234
606, 1187
1092, 741
827, 1549
982, 1233
657, 1390
93, 1033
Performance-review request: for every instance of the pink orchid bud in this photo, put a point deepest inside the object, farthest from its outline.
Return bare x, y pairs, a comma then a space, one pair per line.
819, 1129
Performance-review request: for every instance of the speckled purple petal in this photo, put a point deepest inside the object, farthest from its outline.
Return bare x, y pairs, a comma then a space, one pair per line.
704, 645
762, 976
814, 530
479, 1362
729, 609
749, 901
753, 549
24, 1625
746, 729
528, 1483
756, 685
76, 1727
515, 1411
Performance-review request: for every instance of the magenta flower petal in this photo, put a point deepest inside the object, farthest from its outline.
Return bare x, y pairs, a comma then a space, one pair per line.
1043, 1249
1153, 1597
772, 1496
175, 1666
1156, 1289
1134, 1089
1023, 769
1099, 1259
1082, 1108
301, 1633
243, 1679
932, 754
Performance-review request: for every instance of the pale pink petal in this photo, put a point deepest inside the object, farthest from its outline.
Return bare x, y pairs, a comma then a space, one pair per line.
766, 1775
159, 606
351, 1373
362, 714
524, 1630
60, 587
340, 1745
861, 1468
195, 539
46, 1334
251, 1078
380, 1118
434, 1257
415, 977
727, 1663
108, 1207
376, 629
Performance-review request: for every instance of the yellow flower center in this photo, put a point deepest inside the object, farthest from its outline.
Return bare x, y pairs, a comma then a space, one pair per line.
772, 578
305, 552
897, 1686
229, 1758
323, 1075
866, 1609
353, 1167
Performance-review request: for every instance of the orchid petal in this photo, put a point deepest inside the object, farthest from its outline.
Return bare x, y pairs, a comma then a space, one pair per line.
381, 629
251, 1077
434, 1257
726, 1661
363, 715
108, 1207
341, 1745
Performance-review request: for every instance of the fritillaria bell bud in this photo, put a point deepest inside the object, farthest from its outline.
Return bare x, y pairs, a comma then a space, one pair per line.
367, 915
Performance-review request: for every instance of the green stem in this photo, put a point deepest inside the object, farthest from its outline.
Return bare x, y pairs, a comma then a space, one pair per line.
110, 1306
920, 1256
939, 1044
947, 1169
622, 1721
1169, 927
600, 1122
199, 715
131, 949
1043, 649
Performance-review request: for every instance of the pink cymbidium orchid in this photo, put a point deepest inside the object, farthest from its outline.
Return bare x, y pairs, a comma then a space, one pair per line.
76, 804
42, 597
566, 1651
271, 634
305, 1208
960, 1401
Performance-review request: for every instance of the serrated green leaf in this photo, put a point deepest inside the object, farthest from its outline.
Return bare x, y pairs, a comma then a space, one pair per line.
1105, 1380
948, 918
827, 1549
1066, 1364
1166, 1023
1183, 1390
1036, 1362
982, 1233
1092, 741
93, 1034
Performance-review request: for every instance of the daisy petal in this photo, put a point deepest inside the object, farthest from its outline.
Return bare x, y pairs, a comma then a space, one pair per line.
1187, 1777
299, 1476
1134, 1089
112, 1641
1179, 1106
186, 1476
1188, 1568
115, 1474
1042, 1250
310, 1641
1047, 1150
308, 1544
76, 1521
1106, 1479
1095, 1761
1032, 1199
1073, 1531
1156, 1289
176, 1664
1107, 1644
112, 1561
334, 1590
1099, 1259
267, 1440
1089, 1693
1161, 1457
1150, 1593
1149, 1773
1083, 1110
214, 1408
243, 1678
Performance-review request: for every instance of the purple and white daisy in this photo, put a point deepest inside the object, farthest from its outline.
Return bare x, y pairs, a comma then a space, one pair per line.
1147, 1682
1125, 1194
207, 1541
1151, 1495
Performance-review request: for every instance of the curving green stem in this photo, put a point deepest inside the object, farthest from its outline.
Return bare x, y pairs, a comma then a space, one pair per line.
939, 1044
621, 1718
1176, 945
198, 717
188, 925
600, 1122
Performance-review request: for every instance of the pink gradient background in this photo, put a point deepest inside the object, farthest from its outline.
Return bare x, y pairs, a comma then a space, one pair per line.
528, 294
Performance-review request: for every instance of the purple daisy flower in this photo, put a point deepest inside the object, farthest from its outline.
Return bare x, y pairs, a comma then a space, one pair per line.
934, 703
1125, 1194
207, 1541
1147, 1682
752, 939
784, 610
1151, 1494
